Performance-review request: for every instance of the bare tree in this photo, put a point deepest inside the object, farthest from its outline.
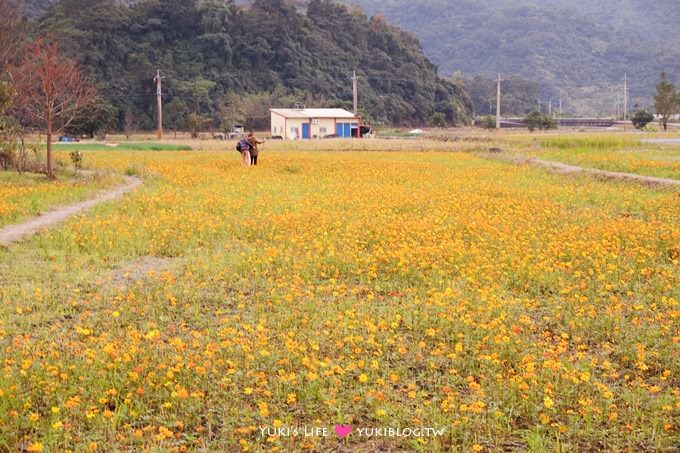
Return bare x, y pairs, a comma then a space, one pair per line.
130, 123
50, 90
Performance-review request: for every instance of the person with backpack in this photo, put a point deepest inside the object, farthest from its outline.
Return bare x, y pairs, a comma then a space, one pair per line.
244, 147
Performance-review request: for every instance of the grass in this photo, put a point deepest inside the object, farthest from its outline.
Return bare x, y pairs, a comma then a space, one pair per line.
25, 195
612, 152
593, 141
512, 307
68, 147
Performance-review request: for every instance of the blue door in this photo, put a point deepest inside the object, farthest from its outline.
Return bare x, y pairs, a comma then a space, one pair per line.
305, 130
343, 130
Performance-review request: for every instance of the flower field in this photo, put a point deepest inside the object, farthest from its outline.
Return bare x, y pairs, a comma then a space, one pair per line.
26, 195
516, 309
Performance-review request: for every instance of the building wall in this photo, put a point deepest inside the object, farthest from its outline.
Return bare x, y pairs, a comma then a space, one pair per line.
291, 128
294, 128
278, 126
325, 127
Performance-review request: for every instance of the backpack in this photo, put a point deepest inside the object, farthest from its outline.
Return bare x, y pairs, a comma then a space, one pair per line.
243, 145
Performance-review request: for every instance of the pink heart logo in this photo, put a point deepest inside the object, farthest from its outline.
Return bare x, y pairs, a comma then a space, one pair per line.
343, 430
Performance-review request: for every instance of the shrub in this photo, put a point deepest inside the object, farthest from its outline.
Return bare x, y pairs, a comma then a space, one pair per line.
536, 120
488, 122
642, 118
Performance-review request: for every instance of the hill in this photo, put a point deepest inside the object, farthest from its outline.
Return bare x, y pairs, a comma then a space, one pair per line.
577, 50
231, 63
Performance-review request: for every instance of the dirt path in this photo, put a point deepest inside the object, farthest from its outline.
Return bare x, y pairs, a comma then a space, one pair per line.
561, 168
566, 169
15, 233
662, 141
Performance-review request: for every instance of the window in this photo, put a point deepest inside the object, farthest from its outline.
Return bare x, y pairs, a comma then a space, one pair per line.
322, 130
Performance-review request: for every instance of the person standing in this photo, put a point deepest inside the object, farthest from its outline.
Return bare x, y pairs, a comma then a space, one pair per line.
245, 148
254, 151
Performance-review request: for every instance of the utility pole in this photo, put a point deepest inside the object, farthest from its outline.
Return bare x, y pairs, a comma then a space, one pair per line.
625, 100
355, 90
498, 104
159, 103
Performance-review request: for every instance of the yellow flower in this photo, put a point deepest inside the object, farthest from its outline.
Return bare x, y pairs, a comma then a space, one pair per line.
35, 447
548, 402
264, 409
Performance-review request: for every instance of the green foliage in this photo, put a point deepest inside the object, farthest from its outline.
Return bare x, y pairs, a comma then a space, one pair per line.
150, 146
642, 118
197, 123
99, 117
76, 159
536, 120
599, 142
6, 96
210, 50
176, 115
667, 100
488, 122
438, 119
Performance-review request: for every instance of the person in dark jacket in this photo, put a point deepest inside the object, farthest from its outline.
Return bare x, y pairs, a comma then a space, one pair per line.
253, 141
254, 151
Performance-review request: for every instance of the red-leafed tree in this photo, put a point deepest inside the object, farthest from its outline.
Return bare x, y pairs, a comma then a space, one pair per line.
50, 90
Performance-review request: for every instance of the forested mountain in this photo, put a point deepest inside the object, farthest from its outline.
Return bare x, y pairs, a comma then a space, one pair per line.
578, 50
519, 96
232, 62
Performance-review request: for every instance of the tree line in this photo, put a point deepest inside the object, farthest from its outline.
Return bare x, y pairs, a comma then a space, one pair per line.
226, 64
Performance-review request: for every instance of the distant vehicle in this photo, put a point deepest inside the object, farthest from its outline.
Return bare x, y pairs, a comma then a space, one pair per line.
68, 139
237, 132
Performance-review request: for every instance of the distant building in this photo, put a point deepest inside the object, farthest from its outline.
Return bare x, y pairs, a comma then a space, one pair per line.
302, 123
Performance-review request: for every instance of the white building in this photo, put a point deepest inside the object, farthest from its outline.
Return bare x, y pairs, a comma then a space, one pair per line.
293, 124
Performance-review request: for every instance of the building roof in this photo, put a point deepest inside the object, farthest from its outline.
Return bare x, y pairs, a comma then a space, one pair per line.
314, 113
